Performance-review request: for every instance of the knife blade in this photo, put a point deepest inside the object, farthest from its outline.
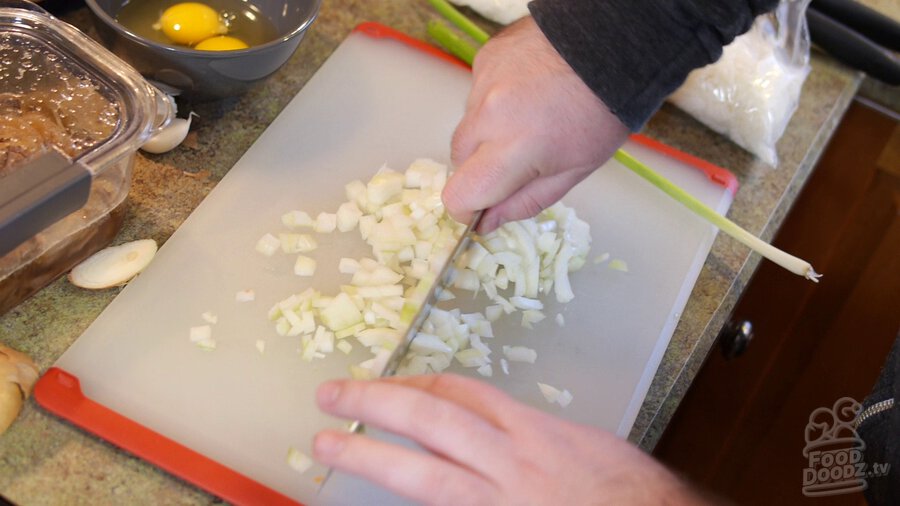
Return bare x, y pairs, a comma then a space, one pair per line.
442, 280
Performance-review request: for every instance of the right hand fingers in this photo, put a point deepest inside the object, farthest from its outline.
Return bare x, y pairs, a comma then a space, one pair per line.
416, 475
441, 425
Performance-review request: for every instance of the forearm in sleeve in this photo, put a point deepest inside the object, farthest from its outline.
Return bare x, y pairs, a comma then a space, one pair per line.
634, 53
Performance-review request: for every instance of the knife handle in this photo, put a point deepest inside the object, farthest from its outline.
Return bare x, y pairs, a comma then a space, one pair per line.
852, 48
868, 22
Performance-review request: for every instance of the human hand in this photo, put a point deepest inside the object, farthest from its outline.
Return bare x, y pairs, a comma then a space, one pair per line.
531, 131
483, 448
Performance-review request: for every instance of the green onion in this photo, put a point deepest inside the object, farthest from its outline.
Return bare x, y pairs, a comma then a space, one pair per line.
789, 262
452, 42
460, 20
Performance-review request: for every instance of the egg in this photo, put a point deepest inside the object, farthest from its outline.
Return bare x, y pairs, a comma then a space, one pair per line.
191, 22
221, 43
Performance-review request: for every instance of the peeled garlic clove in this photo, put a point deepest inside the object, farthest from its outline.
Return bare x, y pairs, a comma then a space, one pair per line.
170, 137
113, 266
17, 376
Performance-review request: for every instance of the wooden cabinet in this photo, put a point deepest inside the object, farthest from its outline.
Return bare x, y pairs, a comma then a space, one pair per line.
739, 432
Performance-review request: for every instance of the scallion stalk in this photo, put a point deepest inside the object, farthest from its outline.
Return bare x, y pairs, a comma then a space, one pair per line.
789, 262
452, 42
460, 20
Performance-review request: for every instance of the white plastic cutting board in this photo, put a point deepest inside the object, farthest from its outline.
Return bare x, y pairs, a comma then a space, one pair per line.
374, 101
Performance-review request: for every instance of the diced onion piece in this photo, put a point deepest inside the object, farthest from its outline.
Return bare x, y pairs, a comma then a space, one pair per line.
427, 344
520, 354
550, 393
325, 223
485, 370
295, 219
348, 266
340, 313
113, 266
471, 357
504, 364
304, 266
526, 303
260, 346
554, 395
493, 312
207, 344
344, 346
348, 215
618, 265
298, 460
384, 186
268, 245
209, 317
599, 259
560, 320
200, 333
245, 296
565, 398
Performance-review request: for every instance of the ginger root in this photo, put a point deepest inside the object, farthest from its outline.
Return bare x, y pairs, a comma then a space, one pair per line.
18, 373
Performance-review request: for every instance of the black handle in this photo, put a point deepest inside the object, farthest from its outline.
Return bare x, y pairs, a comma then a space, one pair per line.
734, 338
868, 22
852, 48
38, 194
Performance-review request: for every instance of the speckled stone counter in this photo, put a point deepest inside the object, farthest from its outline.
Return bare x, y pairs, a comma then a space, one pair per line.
46, 461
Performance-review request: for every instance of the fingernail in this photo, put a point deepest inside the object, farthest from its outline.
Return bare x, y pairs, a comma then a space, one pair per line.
326, 445
328, 393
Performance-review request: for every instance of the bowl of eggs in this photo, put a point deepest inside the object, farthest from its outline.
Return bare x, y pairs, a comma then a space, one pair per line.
204, 50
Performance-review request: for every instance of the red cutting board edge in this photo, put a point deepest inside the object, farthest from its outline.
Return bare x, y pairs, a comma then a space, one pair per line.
59, 392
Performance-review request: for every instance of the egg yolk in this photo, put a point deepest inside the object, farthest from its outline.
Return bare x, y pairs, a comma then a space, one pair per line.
190, 22
221, 43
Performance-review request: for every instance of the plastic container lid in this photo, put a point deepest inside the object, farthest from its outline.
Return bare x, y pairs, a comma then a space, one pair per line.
41, 54
62, 92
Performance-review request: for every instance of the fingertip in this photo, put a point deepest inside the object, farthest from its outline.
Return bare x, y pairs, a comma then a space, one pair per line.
327, 444
328, 393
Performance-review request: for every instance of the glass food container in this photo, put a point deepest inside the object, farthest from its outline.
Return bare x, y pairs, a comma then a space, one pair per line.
72, 116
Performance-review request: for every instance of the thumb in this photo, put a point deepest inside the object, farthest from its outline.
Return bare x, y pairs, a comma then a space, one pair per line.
488, 177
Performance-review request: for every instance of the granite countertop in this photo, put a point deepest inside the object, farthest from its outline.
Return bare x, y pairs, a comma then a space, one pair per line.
45, 460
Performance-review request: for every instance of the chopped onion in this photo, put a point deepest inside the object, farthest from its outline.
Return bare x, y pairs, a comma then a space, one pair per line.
560, 320
260, 346
554, 396
268, 245
298, 460
295, 219
325, 223
504, 364
304, 266
209, 317
618, 265
599, 259
520, 354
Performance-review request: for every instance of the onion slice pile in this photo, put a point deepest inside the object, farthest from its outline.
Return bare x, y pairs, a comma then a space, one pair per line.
401, 217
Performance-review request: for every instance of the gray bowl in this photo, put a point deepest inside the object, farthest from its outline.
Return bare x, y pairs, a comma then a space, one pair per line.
207, 75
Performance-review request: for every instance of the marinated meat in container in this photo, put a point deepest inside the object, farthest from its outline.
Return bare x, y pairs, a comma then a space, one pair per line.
72, 116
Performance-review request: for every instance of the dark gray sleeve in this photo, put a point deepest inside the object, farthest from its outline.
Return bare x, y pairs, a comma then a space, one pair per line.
634, 53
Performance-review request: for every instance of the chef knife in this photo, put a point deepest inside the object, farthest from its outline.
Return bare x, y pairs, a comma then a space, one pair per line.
442, 280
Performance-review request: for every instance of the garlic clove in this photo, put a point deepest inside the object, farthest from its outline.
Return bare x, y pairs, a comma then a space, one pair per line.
170, 137
113, 266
